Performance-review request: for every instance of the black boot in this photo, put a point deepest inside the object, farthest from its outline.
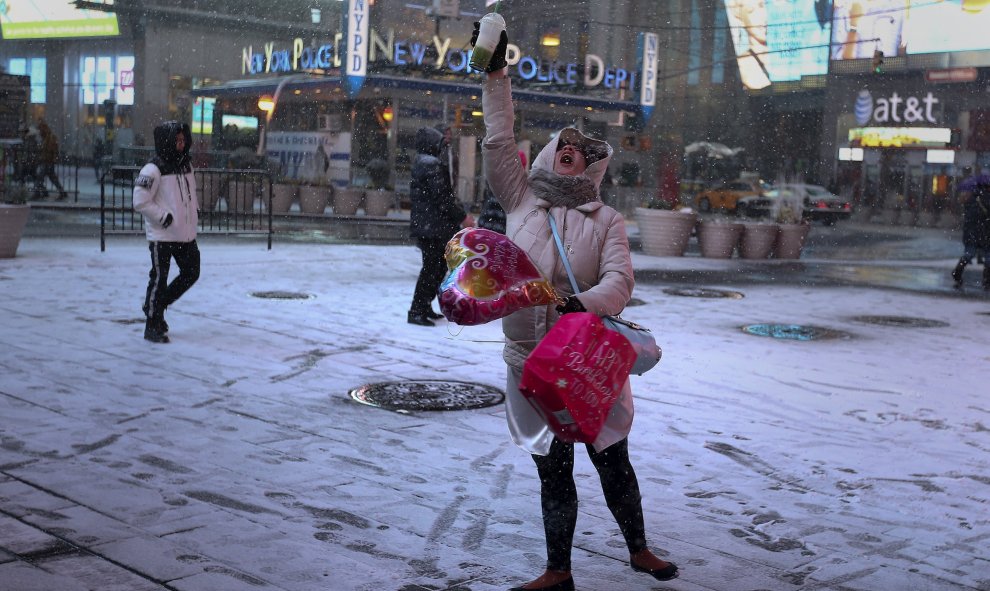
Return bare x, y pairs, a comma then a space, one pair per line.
419, 318
957, 273
160, 322
153, 332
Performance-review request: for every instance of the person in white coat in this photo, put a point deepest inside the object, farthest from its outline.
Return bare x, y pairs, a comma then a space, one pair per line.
165, 194
564, 183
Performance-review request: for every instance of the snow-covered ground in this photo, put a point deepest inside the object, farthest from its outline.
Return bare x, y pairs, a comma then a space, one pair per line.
234, 458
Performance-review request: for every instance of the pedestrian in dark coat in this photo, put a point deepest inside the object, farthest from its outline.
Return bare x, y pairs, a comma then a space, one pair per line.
435, 217
47, 159
976, 232
26, 157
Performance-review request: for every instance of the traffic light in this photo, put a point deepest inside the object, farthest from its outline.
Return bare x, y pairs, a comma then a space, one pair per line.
877, 61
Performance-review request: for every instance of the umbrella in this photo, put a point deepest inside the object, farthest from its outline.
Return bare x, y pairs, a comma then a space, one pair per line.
970, 183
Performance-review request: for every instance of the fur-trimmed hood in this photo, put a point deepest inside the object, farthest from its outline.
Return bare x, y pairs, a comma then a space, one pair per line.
594, 150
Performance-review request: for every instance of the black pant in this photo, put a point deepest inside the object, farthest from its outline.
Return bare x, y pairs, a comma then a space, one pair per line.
558, 496
47, 171
430, 275
162, 294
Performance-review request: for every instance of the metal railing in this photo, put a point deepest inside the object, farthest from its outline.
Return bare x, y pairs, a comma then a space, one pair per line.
15, 169
229, 202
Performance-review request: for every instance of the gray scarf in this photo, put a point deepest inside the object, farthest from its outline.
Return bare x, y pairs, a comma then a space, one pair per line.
562, 189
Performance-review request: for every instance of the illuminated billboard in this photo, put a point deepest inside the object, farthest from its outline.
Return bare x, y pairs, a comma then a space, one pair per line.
908, 27
778, 41
48, 19
900, 137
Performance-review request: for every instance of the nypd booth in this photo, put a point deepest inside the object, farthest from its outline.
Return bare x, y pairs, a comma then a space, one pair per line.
363, 96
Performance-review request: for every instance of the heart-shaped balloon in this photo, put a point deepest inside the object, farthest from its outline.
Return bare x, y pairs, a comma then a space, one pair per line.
490, 277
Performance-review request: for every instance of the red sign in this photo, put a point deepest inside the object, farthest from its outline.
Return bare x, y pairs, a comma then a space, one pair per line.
950, 75
126, 79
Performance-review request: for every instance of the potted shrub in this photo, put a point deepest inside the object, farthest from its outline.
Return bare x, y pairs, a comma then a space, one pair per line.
718, 237
239, 189
758, 238
314, 196
208, 190
665, 227
380, 196
788, 211
283, 194
14, 211
347, 200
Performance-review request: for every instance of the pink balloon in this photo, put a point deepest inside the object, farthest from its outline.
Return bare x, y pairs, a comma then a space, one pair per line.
490, 277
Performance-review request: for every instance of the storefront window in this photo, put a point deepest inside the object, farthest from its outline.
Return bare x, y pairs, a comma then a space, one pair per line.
35, 67
107, 78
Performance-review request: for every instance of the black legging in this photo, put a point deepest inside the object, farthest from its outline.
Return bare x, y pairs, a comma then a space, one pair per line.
558, 496
162, 294
430, 275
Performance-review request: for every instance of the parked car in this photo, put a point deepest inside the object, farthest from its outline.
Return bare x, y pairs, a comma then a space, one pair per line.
817, 203
725, 195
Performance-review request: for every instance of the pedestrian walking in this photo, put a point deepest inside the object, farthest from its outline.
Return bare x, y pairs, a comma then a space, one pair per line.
165, 194
564, 183
976, 232
435, 216
26, 157
48, 156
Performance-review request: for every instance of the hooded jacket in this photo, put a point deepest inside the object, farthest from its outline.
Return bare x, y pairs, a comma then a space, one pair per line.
434, 212
594, 237
167, 185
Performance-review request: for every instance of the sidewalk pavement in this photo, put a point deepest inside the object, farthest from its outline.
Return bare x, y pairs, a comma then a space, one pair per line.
233, 458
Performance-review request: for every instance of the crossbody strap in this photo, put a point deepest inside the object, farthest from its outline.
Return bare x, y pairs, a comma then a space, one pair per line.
563, 255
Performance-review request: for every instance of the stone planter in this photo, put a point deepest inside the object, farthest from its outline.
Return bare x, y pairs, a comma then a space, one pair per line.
790, 241
13, 219
283, 194
347, 201
208, 191
313, 199
758, 240
717, 240
664, 233
377, 202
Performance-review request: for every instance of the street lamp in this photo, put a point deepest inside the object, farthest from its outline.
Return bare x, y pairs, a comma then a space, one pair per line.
266, 104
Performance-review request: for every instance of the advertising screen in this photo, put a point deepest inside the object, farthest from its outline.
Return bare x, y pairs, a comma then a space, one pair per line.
47, 19
900, 137
777, 41
907, 27
239, 121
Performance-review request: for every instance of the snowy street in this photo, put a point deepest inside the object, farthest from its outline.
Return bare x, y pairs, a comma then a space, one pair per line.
234, 458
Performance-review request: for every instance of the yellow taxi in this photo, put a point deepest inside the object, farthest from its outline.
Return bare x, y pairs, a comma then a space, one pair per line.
724, 196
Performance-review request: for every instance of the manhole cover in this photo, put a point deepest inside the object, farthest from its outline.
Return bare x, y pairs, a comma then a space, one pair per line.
904, 321
794, 332
427, 395
281, 295
703, 292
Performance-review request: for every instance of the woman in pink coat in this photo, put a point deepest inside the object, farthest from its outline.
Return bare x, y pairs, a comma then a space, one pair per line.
564, 183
